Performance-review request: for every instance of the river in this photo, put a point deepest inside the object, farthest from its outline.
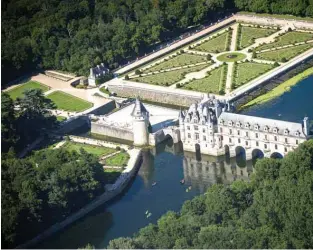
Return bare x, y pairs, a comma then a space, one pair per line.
167, 165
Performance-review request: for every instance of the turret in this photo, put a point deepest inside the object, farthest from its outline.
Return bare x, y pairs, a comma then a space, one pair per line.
91, 73
181, 118
140, 124
306, 126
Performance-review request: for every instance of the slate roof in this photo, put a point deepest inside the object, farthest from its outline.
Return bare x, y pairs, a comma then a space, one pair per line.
139, 109
263, 123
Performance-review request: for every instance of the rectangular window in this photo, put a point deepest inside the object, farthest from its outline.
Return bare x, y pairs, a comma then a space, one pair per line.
197, 136
221, 137
204, 138
265, 146
256, 135
286, 140
196, 127
203, 130
189, 135
221, 130
286, 150
238, 132
188, 127
257, 143
265, 137
230, 131
247, 143
275, 146
230, 140
275, 138
297, 142
239, 141
247, 133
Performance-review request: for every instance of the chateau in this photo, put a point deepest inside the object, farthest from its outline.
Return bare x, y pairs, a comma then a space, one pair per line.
211, 127
96, 73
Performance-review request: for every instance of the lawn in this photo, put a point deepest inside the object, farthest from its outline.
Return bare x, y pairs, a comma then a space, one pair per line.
212, 83
287, 38
176, 61
245, 72
68, 102
119, 159
214, 45
169, 78
18, 91
95, 150
287, 53
234, 56
111, 174
248, 34
280, 89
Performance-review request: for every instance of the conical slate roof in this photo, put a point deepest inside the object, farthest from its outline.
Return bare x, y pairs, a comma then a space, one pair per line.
139, 109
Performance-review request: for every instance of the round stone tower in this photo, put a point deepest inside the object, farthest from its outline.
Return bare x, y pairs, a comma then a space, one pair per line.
140, 124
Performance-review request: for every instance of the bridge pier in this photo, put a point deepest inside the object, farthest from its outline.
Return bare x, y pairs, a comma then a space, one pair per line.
232, 152
249, 154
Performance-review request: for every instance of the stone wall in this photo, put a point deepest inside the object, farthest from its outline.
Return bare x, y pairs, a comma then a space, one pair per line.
106, 108
111, 131
154, 95
72, 124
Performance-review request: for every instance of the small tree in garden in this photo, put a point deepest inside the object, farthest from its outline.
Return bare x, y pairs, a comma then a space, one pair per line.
137, 71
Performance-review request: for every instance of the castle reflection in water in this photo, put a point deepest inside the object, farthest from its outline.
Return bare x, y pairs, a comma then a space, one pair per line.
199, 171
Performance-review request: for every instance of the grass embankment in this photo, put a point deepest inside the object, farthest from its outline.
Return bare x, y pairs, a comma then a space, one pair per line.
279, 90
68, 102
119, 159
18, 92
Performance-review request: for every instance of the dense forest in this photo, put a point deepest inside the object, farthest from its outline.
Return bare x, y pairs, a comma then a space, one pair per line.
45, 187
75, 35
274, 210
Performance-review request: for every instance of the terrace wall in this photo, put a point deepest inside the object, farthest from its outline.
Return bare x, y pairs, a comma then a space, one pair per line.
154, 95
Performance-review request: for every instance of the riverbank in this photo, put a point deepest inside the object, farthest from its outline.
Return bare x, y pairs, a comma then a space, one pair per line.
111, 190
279, 90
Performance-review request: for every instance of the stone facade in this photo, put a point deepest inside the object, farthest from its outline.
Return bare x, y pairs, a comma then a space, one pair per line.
96, 73
211, 127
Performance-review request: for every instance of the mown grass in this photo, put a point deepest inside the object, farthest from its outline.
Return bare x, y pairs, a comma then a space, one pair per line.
213, 83
248, 34
214, 45
287, 38
280, 89
285, 54
247, 71
119, 159
67, 102
91, 149
168, 78
18, 92
61, 118
176, 61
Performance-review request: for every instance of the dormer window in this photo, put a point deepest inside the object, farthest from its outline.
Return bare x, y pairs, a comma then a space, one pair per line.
266, 128
286, 132
275, 130
230, 123
221, 121
256, 127
247, 125
238, 124
297, 133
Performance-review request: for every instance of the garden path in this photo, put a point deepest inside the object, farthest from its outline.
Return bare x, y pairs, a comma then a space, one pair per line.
234, 37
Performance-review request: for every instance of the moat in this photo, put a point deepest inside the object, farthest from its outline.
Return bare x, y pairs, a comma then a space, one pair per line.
167, 165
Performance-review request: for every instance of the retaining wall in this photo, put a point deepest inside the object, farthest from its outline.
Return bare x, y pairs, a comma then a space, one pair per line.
111, 131
154, 95
106, 108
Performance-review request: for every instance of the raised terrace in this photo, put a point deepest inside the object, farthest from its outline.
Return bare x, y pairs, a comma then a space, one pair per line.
239, 52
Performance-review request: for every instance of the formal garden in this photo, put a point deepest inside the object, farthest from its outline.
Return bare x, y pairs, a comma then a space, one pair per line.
67, 102
226, 59
18, 91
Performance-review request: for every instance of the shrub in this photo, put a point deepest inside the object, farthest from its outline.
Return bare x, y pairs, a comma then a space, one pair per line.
118, 148
126, 77
250, 50
276, 64
178, 85
182, 51
284, 59
137, 71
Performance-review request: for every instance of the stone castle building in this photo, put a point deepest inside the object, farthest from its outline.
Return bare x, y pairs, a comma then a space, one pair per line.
96, 73
211, 127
